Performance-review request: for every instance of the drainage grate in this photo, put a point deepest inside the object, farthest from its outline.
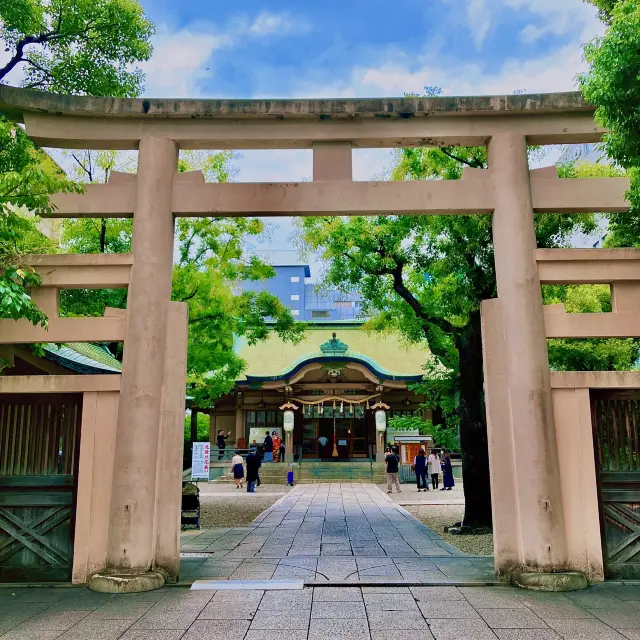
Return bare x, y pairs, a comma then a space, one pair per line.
197, 554
207, 585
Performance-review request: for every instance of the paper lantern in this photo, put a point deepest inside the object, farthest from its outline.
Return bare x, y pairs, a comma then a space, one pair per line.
381, 421
288, 421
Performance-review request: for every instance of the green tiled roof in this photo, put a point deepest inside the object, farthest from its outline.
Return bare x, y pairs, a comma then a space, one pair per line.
347, 355
83, 357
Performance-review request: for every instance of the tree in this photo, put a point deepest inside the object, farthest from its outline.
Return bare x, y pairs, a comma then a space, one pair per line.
443, 435
605, 8
76, 46
27, 177
68, 46
209, 259
611, 354
612, 85
426, 276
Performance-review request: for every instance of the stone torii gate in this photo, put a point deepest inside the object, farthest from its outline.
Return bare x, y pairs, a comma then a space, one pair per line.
534, 523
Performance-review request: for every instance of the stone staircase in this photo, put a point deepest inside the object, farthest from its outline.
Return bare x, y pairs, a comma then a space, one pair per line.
316, 472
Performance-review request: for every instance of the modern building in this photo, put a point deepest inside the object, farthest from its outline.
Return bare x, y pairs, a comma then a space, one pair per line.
587, 152
308, 302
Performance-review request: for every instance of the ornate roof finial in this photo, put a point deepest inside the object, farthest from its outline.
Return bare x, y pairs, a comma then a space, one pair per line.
334, 347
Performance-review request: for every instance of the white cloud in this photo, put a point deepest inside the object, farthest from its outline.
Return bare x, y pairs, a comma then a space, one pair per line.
478, 20
557, 18
554, 71
179, 62
267, 23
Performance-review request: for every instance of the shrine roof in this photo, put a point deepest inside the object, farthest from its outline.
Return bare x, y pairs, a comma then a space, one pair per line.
83, 357
383, 353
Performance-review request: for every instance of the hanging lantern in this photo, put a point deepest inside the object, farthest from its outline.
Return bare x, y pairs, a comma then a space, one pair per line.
287, 421
381, 420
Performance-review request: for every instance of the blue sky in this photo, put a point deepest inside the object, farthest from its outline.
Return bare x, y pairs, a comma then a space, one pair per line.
275, 48
358, 48
353, 48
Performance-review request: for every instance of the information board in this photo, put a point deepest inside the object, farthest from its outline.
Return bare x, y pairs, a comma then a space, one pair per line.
200, 460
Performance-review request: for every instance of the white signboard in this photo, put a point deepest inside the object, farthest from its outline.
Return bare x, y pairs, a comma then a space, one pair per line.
200, 460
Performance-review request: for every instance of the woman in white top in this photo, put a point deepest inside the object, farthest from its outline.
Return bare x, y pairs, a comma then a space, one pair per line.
238, 469
434, 468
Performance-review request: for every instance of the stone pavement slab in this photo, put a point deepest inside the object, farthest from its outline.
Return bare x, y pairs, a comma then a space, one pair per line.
346, 532
605, 612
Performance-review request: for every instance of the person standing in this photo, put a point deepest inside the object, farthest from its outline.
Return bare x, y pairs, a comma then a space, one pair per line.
276, 446
434, 468
420, 467
220, 441
253, 465
268, 448
238, 469
393, 465
447, 473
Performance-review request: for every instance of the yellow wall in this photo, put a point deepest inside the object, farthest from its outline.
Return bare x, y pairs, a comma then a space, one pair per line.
272, 356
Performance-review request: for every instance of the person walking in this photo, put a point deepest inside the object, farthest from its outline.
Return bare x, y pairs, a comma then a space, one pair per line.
238, 469
434, 468
420, 468
253, 465
276, 446
220, 441
393, 466
268, 448
447, 473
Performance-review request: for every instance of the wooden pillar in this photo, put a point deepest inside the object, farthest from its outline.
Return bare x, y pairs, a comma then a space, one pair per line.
239, 424
213, 434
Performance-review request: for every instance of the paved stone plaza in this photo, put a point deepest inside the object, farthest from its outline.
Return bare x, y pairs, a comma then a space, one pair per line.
316, 534
331, 532
606, 612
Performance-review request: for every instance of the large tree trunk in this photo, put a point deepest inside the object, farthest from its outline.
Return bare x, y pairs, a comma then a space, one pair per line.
473, 426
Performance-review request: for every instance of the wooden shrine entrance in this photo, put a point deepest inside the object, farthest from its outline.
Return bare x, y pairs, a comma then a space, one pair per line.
616, 419
39, 445
352, 438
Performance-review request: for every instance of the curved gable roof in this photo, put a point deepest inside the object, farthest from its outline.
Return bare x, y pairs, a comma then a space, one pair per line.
383, 354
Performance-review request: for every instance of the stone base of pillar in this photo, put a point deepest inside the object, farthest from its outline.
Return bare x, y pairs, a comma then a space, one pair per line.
126, 583
549, 581
380, 456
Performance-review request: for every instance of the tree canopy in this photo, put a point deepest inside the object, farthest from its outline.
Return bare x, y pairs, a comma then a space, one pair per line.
605, 7
76, 46
27, 177
66, 46
208, 261
425, 276
612, 85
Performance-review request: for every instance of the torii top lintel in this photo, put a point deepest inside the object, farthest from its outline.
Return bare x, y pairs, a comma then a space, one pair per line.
120, 123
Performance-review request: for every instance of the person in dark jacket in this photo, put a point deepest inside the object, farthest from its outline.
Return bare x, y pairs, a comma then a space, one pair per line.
447, 473
253, 465
393, 465
220, 441
268, 448
420, 467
